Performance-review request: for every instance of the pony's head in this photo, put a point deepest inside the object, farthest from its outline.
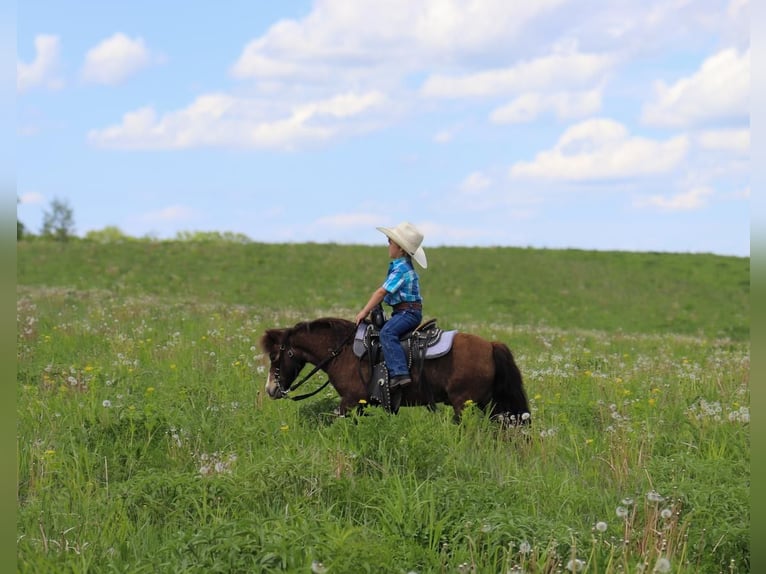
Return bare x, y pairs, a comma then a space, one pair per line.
285, 362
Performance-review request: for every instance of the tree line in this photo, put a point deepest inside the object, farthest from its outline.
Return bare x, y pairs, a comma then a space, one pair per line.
59, 225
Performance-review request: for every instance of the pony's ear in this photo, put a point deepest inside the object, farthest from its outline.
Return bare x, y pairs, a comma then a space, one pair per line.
271, 339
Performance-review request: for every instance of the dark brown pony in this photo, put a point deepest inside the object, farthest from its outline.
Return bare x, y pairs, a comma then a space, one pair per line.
474, 370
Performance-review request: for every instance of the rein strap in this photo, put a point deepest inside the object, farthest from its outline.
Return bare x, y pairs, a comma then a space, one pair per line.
314, 371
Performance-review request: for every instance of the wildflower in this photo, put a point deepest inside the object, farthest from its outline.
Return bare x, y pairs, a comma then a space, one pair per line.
106, 404
525, 547
362, 402
149, 390
666, 513
627, 501
663, 565
621, 512
654, 496
601, 526
284, 428
50, 452
575, 565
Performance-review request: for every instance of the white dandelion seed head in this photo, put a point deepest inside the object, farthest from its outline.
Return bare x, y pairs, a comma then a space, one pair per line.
663, 565
318, 568
666, 513
627, 501
525, 547
654, 496
601, 526
621, 512
575, 565
106, 404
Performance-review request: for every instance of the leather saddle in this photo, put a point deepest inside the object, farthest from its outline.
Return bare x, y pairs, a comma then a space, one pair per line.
427, 341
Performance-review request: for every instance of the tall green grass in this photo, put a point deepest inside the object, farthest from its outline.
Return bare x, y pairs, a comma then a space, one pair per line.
145, 442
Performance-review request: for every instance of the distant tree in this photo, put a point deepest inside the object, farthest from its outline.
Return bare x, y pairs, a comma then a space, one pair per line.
109, 234
20, 229
58, 222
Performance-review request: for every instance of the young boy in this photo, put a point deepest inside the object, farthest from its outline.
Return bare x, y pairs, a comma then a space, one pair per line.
400, 290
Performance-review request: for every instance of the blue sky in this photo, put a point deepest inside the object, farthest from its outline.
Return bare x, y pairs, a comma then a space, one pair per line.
565, 124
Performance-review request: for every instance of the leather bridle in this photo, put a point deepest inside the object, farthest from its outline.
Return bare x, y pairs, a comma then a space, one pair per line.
283, 392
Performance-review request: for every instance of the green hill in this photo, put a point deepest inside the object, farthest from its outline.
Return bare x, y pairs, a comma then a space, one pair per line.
694, 294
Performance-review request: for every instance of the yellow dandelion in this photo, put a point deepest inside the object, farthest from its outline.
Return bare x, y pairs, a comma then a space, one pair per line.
626, 392
284, 428
149, 390
652, 402
173, 366
362, 402
588, 373
50, 452
468, 403
538, 396
588, 441
619, 380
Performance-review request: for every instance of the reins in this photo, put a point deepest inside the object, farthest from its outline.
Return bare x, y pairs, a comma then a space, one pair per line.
334, 353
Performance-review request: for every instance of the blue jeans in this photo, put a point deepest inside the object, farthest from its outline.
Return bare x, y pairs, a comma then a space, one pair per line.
401, 322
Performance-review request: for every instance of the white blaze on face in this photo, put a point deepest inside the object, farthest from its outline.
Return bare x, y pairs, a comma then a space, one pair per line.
271, 386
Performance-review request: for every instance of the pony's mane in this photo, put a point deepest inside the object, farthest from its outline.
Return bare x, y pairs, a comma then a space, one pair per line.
334, 324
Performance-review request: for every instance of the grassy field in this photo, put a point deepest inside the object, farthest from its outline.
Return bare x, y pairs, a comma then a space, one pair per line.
145, 442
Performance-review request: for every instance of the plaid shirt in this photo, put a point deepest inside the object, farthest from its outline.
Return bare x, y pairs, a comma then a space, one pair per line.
402, 282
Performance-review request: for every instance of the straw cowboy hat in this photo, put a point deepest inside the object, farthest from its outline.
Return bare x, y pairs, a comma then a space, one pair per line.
406, 236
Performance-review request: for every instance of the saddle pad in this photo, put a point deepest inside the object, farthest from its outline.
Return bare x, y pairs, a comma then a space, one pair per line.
442, 346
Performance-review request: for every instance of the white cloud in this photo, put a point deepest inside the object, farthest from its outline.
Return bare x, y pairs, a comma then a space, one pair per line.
443, 136
735, 140
475, 183
170, 214
43, 70
553, 71
565, 105
31, 198
221, 120
719, 90
115, 59
693, 199
349, 220
603, 149
365, 39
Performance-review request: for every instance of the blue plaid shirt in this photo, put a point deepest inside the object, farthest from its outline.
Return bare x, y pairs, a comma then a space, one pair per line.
402, 282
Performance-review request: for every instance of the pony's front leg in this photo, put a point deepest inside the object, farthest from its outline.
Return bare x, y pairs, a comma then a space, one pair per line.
348, 403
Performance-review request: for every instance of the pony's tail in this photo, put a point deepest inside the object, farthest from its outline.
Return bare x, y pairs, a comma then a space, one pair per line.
509, 397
